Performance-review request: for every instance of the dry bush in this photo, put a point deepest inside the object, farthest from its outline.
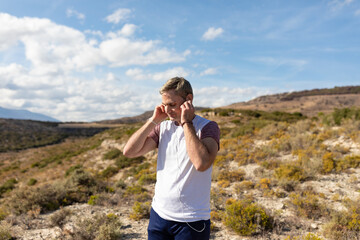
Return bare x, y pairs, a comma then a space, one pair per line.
302, 141
76, 188
217, 198
243, 186
274, 130
300, 127
231, 176
5, 231
59, 218
47, 198
270, 164
98, 227
308, 236
307, 203
345, 224
136, 193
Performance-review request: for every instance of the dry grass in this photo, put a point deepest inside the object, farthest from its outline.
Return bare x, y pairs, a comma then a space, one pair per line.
287, 154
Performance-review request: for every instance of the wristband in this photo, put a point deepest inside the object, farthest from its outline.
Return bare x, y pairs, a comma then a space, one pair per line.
153, 122
182, 124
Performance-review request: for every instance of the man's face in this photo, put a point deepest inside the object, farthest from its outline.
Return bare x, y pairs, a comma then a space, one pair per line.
172, 102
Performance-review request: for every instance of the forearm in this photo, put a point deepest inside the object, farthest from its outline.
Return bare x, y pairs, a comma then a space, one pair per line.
137, 140
197, 151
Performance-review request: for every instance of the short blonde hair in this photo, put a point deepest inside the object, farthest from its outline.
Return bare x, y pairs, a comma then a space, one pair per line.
181, 86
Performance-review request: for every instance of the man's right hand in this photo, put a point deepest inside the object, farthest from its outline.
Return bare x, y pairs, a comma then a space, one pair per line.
159, 114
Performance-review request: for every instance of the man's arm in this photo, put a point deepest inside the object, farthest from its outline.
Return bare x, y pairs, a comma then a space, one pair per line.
139, 143
202, 153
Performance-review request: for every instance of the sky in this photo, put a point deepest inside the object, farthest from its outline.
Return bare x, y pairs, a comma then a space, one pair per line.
87, 60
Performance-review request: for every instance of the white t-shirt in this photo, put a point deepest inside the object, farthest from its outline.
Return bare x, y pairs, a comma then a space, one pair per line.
181, 192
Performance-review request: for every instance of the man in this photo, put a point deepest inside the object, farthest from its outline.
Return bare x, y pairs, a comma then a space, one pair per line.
187, 147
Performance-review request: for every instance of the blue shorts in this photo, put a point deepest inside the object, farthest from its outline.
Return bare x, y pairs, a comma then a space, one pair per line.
161, 229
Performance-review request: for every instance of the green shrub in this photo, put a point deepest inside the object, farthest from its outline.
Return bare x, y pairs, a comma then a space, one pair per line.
121, 184
109, 172
246, 218
290, 172
124, 162
3, 213
140, 211
112, 154
93, 199
249, 127
328, 163
350, 161
8, 186
72, 169
135, 189
341, 114
32, 182
147, 178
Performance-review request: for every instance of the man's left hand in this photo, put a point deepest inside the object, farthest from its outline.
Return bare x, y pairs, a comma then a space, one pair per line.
187, 111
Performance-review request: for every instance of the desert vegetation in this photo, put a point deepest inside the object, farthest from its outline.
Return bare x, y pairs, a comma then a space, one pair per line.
277, 176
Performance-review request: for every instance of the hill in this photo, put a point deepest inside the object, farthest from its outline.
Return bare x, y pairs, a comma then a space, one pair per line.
22, 134
135, 119
25, 114
307, 102
291, 176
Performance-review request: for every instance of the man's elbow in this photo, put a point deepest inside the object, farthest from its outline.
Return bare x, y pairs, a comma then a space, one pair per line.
127, 153
202, 167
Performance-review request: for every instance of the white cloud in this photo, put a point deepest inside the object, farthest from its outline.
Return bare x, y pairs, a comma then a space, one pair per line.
357, 12
119, 15
209, 71
138, 74
128, 30
122, 51
295, 63
173, 72
223, 96
57, 76
337, 5
53, 48
71, 12
212, 33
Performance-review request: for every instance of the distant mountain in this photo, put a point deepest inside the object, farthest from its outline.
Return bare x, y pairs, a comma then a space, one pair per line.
25, 114
135, 119
307, 102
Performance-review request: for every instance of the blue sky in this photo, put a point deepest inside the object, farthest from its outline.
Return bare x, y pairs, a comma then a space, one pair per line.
92, 60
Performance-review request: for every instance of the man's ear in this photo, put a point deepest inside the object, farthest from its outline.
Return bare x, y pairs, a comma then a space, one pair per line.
189, 97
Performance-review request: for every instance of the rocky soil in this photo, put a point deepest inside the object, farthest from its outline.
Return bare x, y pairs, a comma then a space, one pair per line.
334, 187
